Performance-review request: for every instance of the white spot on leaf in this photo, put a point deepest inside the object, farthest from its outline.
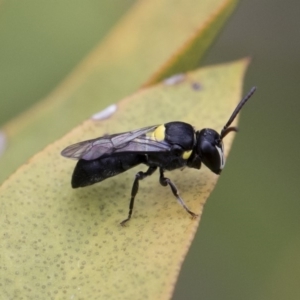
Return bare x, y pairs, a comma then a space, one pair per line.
105, 113
175, 79
2, 142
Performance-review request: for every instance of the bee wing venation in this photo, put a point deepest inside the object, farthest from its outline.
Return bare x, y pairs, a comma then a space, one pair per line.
131, 141
77, 150
144, 144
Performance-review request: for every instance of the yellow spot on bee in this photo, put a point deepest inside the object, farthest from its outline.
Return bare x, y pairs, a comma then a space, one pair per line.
187, 154
159, 133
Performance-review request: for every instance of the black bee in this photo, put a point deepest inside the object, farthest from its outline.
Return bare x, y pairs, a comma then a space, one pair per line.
168, 147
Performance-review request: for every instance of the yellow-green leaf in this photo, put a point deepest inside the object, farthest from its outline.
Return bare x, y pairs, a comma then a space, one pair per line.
59, 243
41, 41
154, 39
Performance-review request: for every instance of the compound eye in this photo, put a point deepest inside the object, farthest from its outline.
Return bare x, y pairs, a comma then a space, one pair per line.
220, 149
210, 149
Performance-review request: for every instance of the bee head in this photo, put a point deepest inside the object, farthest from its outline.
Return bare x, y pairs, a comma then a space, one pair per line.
211, 150
209, 145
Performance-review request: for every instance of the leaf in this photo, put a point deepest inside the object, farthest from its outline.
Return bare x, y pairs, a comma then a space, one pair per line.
154, 39
50, 39
67, 244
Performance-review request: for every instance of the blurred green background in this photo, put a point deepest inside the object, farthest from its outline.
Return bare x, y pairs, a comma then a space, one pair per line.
248, 243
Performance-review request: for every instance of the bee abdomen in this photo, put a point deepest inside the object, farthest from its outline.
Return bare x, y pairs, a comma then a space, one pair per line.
88, 172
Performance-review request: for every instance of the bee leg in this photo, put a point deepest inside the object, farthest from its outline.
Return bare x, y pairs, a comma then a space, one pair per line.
164, 181
135, 187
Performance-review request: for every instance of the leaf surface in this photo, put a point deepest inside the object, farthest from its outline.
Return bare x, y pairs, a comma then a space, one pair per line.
63, 243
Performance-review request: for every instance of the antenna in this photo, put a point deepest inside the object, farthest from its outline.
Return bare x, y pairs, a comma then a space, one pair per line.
226, 129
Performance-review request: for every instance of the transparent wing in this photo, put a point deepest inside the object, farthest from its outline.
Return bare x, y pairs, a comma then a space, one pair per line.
132, 141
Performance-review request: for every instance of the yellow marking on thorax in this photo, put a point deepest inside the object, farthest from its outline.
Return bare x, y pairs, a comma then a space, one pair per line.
187, 154
159, 133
